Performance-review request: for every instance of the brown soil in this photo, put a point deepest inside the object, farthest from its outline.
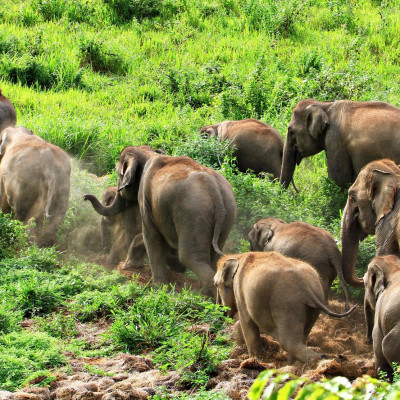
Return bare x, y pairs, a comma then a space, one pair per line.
341, 342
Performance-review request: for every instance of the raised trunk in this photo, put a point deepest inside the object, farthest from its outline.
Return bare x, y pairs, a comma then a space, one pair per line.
117, 206
289, 160
351, 234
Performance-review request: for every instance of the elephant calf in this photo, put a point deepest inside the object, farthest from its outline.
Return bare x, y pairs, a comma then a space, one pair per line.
257, 146
382, 310
35, 181
273, 293
305, 242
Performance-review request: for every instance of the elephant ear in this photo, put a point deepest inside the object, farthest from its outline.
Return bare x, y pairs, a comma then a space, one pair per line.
127, 169
317, 120
376, 280
3, 144
260, 234
229, 271
382, 191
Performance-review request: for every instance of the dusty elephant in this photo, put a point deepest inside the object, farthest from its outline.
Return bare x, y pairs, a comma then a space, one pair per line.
279, 295
184, 206
382, 310
112, 231
305, 242
8, 115
372, 208
257, 146
123, 232
351, 133
35, 181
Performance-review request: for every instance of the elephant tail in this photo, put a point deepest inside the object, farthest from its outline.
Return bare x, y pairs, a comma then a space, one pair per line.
336, 262
317, 303
219, 220
51, 185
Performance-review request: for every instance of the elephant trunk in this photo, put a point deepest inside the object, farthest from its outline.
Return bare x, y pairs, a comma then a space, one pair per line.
290, 157
351, 234
115, 208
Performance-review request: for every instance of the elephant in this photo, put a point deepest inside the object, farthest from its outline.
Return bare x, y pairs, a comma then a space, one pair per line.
305, 242
112, 230
127, 236
35, 181
8, 115
279, 295
184, 206
257, 146
382, 310
352, 133
372, 208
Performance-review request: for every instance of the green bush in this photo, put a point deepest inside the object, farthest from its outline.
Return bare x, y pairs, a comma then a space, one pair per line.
23, 354
13, 235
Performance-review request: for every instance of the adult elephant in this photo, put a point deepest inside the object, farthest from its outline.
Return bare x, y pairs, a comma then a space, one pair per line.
372, 207
8, 115
257, 146
183, 205
35, 181
352, 134
304, 242
382, 311
122, 238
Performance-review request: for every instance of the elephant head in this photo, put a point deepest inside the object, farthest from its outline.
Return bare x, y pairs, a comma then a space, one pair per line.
8, 135
370, 200
305, 136
262, 232
379, 274
223, 280
209, 131
130, 166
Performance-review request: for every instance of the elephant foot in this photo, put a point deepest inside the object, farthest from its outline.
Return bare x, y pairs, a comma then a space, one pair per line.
131, 266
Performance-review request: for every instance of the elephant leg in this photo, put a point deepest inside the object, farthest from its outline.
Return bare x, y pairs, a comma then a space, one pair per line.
251, 333
340, 168
157, 249
290, 332
311, 318
117, 250
382, 366
173, 261
136, 253
198, 260
105, 234
391, 346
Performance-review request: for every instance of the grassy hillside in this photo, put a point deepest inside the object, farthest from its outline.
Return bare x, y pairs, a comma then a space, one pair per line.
93, 76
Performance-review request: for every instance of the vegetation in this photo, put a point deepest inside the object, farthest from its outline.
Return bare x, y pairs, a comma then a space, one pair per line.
93, 76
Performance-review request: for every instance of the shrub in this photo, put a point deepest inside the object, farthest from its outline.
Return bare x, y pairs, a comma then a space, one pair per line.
13, 235
23, 354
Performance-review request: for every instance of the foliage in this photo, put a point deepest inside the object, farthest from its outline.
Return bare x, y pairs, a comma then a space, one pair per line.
285, 386
13, 235
23, 354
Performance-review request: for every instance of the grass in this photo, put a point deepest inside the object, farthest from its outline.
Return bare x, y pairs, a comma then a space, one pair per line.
96, 76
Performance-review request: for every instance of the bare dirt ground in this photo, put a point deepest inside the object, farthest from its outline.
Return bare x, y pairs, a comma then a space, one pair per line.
342, 341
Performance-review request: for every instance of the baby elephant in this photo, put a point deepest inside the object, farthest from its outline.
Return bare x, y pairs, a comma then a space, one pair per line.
279, 295
382, 310
305, 242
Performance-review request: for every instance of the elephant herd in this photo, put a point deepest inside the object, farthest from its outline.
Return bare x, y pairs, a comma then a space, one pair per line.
180, 213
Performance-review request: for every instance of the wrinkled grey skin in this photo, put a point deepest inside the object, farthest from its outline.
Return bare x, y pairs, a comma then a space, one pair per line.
382, 310
184, 206
373, 207
275, 294
35, 181
257, 146
8, 115
305, 242
123, 232
351, 133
